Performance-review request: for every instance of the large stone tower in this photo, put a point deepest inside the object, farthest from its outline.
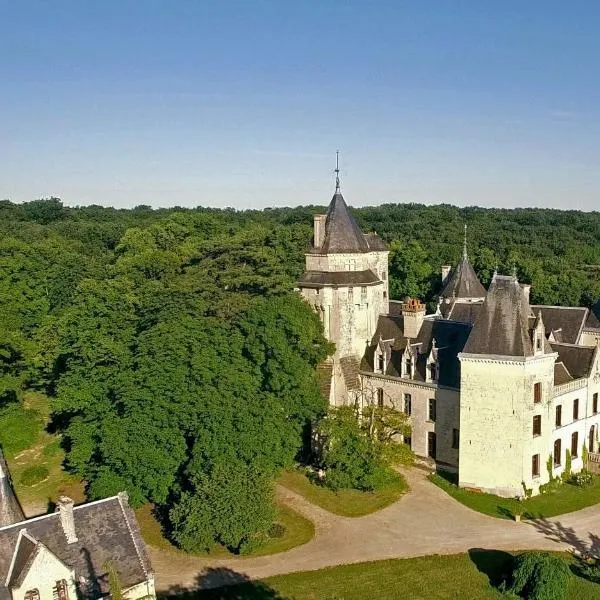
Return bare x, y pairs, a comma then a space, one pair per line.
346, 282
507, 378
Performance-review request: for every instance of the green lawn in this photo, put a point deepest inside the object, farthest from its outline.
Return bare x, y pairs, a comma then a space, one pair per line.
347, 503
566, 498
30, 444
298, 531
455, 577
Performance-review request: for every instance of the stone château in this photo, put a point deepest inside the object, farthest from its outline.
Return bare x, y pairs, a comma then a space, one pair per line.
501, 391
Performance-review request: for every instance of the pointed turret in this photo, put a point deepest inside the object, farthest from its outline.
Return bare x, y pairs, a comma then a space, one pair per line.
10, 510
462, 282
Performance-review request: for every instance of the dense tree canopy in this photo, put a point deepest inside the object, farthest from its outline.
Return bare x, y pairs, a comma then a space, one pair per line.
178, 359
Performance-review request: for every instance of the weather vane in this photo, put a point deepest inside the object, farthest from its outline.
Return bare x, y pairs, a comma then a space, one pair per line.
337, 171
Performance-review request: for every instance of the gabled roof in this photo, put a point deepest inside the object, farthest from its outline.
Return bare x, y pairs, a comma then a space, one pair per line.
569, 320
106, 530
10, 510
22, 557
342, 233
577, 359
502, 328
463, 282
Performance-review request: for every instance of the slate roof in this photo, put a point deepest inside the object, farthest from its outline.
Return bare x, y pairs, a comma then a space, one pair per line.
577, 359
10, 510
338, 278
449, 336
106, 530
561, 374
342, 233
502, 328
592, 321
569, 320
465, 312
463, 282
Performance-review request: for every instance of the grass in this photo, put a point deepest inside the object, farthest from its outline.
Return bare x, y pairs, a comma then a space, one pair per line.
457, 577
37, 446
347, 503
566, 498
297, 531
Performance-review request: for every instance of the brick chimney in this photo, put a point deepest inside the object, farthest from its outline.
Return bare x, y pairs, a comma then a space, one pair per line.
445, 272
413, 312
319, 230
64, 507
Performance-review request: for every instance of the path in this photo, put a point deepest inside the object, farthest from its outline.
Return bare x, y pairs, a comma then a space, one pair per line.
424, 521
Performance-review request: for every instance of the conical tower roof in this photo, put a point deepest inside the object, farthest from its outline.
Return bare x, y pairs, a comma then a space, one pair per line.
502, 328
10, 510
463, 282
342, 233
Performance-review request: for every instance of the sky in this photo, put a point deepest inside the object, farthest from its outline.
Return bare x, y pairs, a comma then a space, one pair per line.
243, 104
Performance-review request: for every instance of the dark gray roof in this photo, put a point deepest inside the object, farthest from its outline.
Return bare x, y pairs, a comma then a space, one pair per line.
463, 282
569, 320
577, 359
502, 328
106, 530
592, 321
449, 336
561, 374
10, 510
24, 555
342, 233
465, 312
338, 278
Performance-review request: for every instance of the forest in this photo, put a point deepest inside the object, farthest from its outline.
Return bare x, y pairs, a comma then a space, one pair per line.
178, 360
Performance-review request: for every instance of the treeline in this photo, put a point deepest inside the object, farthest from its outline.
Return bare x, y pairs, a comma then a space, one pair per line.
179, 362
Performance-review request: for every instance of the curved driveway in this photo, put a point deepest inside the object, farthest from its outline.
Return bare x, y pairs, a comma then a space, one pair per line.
424, 521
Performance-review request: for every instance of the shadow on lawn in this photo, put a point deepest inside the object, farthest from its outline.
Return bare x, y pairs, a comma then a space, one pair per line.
223, 584
496, 565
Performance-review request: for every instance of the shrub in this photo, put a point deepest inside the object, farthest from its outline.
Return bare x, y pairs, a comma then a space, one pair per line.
566, 474
33, 475
276, 531
540, 576
582, 479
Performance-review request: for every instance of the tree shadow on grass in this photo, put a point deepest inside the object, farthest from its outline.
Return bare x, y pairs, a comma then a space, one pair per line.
496, 565
223, 584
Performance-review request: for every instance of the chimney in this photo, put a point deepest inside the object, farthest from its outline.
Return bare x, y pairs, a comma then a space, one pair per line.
413, 313
319, 231
445, 272
64, 506
526, 287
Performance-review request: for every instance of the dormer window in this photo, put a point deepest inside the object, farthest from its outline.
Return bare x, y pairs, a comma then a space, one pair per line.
433, 372
380, 362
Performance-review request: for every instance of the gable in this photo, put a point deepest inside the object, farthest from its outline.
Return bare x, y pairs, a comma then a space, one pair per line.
41, 571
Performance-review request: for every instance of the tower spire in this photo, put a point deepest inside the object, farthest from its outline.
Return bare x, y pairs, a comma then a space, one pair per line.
465, 242
337, 171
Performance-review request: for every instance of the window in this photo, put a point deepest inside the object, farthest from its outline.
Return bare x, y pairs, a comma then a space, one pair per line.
537, 425
384, 275
538, 343
380, 397
432, 409
408, 367
595, 403
535, 465
62, 591
592, 438
574, 444
558, 420
32, 594
384, 294
575, 409
317, 291
363, 293
350, 293
380, 362
537, 393
433, 371
431, 445
407, 404
455, 439
557, 453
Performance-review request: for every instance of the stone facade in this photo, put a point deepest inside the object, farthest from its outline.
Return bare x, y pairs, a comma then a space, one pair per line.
482, 390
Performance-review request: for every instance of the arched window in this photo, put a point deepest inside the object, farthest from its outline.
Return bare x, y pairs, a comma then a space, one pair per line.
557, 453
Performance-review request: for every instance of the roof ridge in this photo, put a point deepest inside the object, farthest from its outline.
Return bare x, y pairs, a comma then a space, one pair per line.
120, 497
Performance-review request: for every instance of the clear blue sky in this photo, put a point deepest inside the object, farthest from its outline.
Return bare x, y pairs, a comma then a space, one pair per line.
244, 103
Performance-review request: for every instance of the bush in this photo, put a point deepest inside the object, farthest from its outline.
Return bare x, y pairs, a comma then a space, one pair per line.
33, 475
276, 531
540, 576
582, 479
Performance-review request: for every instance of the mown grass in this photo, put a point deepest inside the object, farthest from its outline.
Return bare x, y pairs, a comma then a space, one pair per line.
297, 531
347, 503
566, 498
33, 445
470, 576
